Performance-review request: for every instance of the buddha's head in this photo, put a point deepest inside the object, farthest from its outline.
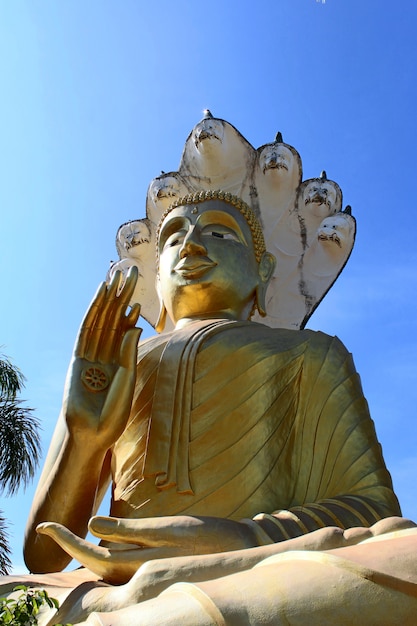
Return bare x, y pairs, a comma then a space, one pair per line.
212, 259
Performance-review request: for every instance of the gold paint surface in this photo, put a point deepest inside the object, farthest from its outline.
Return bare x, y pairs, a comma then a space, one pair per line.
222, 437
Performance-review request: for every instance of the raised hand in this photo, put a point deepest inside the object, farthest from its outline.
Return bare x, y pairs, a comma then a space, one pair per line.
97, 401
101, 376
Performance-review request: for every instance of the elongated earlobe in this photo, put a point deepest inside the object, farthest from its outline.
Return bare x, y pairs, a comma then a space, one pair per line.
260, 298
162, 317
266, 269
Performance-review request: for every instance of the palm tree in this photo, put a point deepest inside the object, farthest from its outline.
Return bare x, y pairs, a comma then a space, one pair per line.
19, 444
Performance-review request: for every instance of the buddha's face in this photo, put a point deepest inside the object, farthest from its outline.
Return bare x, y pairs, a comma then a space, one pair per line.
207, 265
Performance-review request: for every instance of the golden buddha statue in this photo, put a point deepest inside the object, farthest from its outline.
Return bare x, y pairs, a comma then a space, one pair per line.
248, 485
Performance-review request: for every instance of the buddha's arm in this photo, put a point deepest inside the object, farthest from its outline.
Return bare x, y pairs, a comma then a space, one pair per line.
344, 511
155, 568
69, 493
156, 575
97, 401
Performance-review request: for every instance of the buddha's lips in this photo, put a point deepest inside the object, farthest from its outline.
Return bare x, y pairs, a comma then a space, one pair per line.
194, 266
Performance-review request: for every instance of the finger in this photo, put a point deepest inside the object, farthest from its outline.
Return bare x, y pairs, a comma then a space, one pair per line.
87, 324
118, 566
113, 321
115, 566
115, 529
133, 316
130, 284
122, 387
129, 348
110, 350
151, 532
104, 325
123, 298
125, 288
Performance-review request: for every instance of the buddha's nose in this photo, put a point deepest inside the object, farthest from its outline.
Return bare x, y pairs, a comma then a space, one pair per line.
192, 244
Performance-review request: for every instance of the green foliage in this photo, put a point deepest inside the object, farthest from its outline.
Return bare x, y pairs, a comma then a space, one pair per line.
19, 431
19, 444
22, 611
11, 378
5, 563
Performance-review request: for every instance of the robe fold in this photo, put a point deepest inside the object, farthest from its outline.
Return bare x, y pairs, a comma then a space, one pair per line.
235, 419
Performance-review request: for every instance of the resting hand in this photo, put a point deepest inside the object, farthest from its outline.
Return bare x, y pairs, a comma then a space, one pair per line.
155, 576
101, 377
151, 538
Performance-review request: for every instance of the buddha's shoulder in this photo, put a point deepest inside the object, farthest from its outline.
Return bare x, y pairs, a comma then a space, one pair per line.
236, 334
310, 339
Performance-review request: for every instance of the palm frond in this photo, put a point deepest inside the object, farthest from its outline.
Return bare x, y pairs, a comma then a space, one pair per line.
19, 444
11, 378
5, 562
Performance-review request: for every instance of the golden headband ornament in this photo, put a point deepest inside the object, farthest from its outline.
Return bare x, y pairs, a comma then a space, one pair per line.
238, 203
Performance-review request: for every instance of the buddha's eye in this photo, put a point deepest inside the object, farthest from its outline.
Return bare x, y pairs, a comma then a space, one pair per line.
220, 233
173, 240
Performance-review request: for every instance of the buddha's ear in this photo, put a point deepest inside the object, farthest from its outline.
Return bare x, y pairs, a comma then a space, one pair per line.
162, 317
265, 271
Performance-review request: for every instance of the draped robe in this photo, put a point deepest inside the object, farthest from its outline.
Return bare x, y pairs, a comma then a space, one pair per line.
238, 420
234, 419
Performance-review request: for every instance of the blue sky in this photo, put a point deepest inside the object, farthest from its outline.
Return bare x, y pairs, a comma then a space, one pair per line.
98, 97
